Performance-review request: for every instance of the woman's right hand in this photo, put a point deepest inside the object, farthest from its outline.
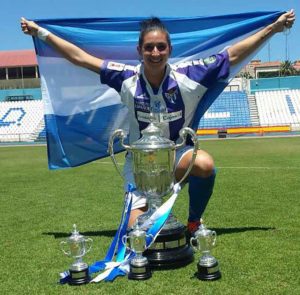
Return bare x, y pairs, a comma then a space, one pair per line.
29, 27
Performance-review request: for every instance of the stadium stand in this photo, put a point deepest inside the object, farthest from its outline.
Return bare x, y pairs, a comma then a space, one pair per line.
235, 112
21, 120
231, 109
279, 107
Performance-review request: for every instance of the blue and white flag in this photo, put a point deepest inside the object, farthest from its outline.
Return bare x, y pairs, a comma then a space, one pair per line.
81, 113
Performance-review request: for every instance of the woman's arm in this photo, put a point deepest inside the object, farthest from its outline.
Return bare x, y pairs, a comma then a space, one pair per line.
70, 51
245, 47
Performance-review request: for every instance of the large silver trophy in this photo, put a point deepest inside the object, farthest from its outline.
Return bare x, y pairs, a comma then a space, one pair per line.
154, 174
204, 240
77, 246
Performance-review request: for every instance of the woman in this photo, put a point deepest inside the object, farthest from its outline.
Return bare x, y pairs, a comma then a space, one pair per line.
178, 89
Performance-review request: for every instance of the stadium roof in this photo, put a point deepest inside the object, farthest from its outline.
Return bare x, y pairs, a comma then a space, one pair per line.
267, 64
17, 58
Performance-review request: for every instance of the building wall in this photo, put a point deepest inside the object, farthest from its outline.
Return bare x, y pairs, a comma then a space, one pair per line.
32, 93
292, 82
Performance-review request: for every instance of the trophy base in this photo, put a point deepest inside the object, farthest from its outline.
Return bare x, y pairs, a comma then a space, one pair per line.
79, 277
170, 250
208, 273
139, 272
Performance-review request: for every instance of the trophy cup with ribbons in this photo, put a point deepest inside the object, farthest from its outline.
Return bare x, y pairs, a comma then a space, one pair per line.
78, 246
204, 240
154, 174
139, 265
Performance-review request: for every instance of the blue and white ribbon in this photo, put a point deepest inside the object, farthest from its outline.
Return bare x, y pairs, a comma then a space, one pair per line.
116, 247
157, 219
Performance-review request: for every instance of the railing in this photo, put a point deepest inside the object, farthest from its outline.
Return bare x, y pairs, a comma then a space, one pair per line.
20, 84
20, 137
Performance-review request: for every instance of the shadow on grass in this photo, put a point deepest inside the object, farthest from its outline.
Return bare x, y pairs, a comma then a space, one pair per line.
111, 233
106, 233
234, 230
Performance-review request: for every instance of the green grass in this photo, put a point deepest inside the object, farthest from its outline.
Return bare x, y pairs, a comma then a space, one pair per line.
254, 209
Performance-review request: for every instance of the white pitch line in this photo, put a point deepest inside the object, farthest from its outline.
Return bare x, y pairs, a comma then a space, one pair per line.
267, 168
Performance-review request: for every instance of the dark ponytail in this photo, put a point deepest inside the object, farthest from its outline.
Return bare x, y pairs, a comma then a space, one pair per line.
152, 24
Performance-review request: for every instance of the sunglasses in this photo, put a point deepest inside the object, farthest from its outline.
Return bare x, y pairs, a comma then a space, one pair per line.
159, 46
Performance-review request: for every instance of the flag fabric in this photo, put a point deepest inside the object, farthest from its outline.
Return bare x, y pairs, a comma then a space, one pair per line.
81, 113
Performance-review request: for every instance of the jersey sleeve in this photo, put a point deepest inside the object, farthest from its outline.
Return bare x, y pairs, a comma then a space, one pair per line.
114, 74
207, 71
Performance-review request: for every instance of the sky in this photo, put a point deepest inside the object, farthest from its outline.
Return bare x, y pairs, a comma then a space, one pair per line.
280, 47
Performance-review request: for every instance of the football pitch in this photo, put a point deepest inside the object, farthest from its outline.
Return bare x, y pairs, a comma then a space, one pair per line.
254, 210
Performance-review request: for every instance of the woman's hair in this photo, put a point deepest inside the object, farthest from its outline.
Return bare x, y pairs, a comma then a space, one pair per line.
152, 24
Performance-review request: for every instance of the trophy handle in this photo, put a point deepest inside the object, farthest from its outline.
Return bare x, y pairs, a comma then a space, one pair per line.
62, 243
89, 241
193, 244
183, 134
119, 133
124, 240
214, 238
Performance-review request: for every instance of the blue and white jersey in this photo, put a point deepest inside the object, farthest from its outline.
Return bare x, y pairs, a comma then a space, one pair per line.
180, 92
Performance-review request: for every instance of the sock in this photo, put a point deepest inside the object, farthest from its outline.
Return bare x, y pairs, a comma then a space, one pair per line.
200, 191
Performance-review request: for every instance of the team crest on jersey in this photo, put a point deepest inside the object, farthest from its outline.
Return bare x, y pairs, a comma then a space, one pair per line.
171, 95
115, 66
210, 60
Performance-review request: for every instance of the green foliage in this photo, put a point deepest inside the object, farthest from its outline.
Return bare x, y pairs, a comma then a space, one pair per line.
246, 75
287, 69
255, 211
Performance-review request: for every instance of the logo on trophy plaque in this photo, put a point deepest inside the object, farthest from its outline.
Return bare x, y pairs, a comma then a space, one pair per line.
153, 169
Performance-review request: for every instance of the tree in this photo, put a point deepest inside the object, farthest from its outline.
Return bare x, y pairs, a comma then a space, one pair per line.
287, 69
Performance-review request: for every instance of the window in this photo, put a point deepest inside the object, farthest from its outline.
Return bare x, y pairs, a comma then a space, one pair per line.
14, 73
29, 72
2, 74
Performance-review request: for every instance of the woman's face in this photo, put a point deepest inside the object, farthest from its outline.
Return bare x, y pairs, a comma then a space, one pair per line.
155, 50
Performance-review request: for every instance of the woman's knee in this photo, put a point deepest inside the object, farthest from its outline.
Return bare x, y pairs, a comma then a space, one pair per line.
204, 165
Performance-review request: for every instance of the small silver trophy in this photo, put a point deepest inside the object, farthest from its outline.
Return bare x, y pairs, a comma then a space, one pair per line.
204, 240
78, 246
139, 265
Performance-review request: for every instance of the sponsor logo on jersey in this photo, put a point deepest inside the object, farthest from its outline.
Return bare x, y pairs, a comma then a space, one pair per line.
184, 64
142, 106
164, 117
198, 62
170, 117
143, 117
142, 96
115, 66
130, 68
